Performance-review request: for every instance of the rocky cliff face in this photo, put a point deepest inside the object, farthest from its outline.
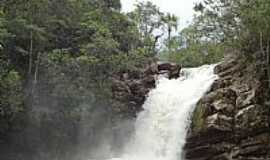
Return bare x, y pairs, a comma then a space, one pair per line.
130, 88
232, 121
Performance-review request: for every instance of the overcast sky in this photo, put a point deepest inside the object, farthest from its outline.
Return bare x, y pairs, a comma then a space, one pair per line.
181, 8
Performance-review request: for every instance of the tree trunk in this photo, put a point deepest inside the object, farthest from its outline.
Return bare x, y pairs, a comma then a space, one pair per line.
268, 61
169, 37
37, 68
261, 46
35, 81
169, 34
267, 52
30, 54
155, 42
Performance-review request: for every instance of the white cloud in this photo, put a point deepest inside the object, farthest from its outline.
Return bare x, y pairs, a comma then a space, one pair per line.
181, 8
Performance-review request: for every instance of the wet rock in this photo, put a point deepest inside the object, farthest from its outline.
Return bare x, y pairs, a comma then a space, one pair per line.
245, 99
130, 88
232, 121
223, 107
172, 70
219, 122
222, 83
225, 65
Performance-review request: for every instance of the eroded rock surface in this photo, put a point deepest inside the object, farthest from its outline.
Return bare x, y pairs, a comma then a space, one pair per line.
232, 121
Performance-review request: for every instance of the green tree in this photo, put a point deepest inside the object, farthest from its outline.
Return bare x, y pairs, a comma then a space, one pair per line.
148, 17
171, 22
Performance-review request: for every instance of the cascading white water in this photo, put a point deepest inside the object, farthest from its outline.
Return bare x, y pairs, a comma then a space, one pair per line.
161, 128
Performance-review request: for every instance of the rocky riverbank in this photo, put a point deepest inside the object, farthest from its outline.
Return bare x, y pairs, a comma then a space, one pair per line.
232, 121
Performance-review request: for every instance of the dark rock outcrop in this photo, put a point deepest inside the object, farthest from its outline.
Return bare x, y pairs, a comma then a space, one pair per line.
171, 70
131, 88
232, 121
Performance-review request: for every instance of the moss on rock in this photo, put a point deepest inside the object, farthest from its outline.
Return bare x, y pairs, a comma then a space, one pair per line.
198, 120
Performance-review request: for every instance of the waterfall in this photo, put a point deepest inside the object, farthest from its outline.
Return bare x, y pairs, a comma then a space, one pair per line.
160, 130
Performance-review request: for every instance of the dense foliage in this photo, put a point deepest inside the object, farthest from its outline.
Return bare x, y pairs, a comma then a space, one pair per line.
242, 27
57, 59
222, 26
190, 49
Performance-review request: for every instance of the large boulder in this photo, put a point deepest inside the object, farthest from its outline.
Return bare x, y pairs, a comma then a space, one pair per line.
171, 70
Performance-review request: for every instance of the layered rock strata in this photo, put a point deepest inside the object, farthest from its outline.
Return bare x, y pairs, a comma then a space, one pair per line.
232, 121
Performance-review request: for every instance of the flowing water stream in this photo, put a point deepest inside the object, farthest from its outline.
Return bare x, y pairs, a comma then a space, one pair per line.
160, 130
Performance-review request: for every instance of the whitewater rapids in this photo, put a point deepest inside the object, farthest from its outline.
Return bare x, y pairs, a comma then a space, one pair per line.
160, 130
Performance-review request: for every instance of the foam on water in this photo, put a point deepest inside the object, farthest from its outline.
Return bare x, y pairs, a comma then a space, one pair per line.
161, 129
